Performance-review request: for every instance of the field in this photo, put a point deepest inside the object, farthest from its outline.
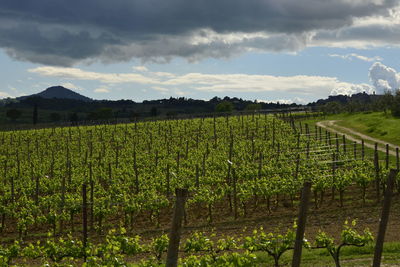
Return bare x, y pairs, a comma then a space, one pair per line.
242, 173
375, 124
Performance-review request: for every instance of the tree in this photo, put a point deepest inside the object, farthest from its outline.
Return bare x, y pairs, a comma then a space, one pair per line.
55, 117
386, 101
73, 117
331, 108
13, 114
224, 106
101, 114
134, 115
35, 114
395, 107
154, 112
253, 107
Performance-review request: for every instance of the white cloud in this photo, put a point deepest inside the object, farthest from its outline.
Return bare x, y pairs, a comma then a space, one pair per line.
5, 95
160, 89
350, 88
140, 68
78, 74
384, 78
299, 85
357, 56
164, 74
72, 86
101, 90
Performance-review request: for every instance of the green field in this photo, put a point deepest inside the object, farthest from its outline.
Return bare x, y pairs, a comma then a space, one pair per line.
375, 124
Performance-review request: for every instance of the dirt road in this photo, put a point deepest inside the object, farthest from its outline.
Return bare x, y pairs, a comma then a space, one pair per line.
368, 141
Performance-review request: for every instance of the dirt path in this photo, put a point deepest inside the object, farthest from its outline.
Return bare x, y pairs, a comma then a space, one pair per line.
368, 141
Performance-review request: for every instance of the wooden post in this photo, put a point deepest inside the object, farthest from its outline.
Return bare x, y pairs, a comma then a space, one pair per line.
278, 152
320, 133
37, 190
329, 139
384, 218
235, 208
197, 182
301, 224
298, 141
168, 180
376, 164
337, 142
307, 131
175, 233
326, 137
333, 175
387, 157
316, 132
362, 150
273, 133
397, 158
301, 127
91, 200
344, 144
355, 150
84, 220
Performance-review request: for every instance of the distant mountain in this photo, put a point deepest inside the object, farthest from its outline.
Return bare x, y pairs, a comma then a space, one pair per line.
59, 92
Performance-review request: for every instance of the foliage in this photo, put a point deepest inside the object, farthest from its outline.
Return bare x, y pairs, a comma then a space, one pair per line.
13, 114
224, 106
349, 237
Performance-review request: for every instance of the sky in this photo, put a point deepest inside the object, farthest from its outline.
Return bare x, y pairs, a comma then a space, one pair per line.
265, 50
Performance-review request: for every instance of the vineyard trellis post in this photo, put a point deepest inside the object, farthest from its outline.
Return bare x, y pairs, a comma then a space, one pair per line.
175, 233
344, 144
384, 218
84, 220
376, 165
387, 157
337, 142
355, 149
234, 180
362, 150
301, 224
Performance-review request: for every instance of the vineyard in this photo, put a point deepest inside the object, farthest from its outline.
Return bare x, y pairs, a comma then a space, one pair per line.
120, 180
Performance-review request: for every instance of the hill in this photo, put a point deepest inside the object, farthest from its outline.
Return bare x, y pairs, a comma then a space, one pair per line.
58, 92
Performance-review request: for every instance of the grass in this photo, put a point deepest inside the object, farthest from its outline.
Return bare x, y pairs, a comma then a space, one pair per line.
375, 124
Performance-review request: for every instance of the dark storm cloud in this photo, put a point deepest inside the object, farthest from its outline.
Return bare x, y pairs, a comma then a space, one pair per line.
376, 34
63, 32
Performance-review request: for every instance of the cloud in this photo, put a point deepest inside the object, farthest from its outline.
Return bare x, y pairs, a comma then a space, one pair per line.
357, 56
101, 90
384, 78
160, 89
140, 68
5, 95
78, 74
351, 88
299, 85
367, 32
66, 32
71, 86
